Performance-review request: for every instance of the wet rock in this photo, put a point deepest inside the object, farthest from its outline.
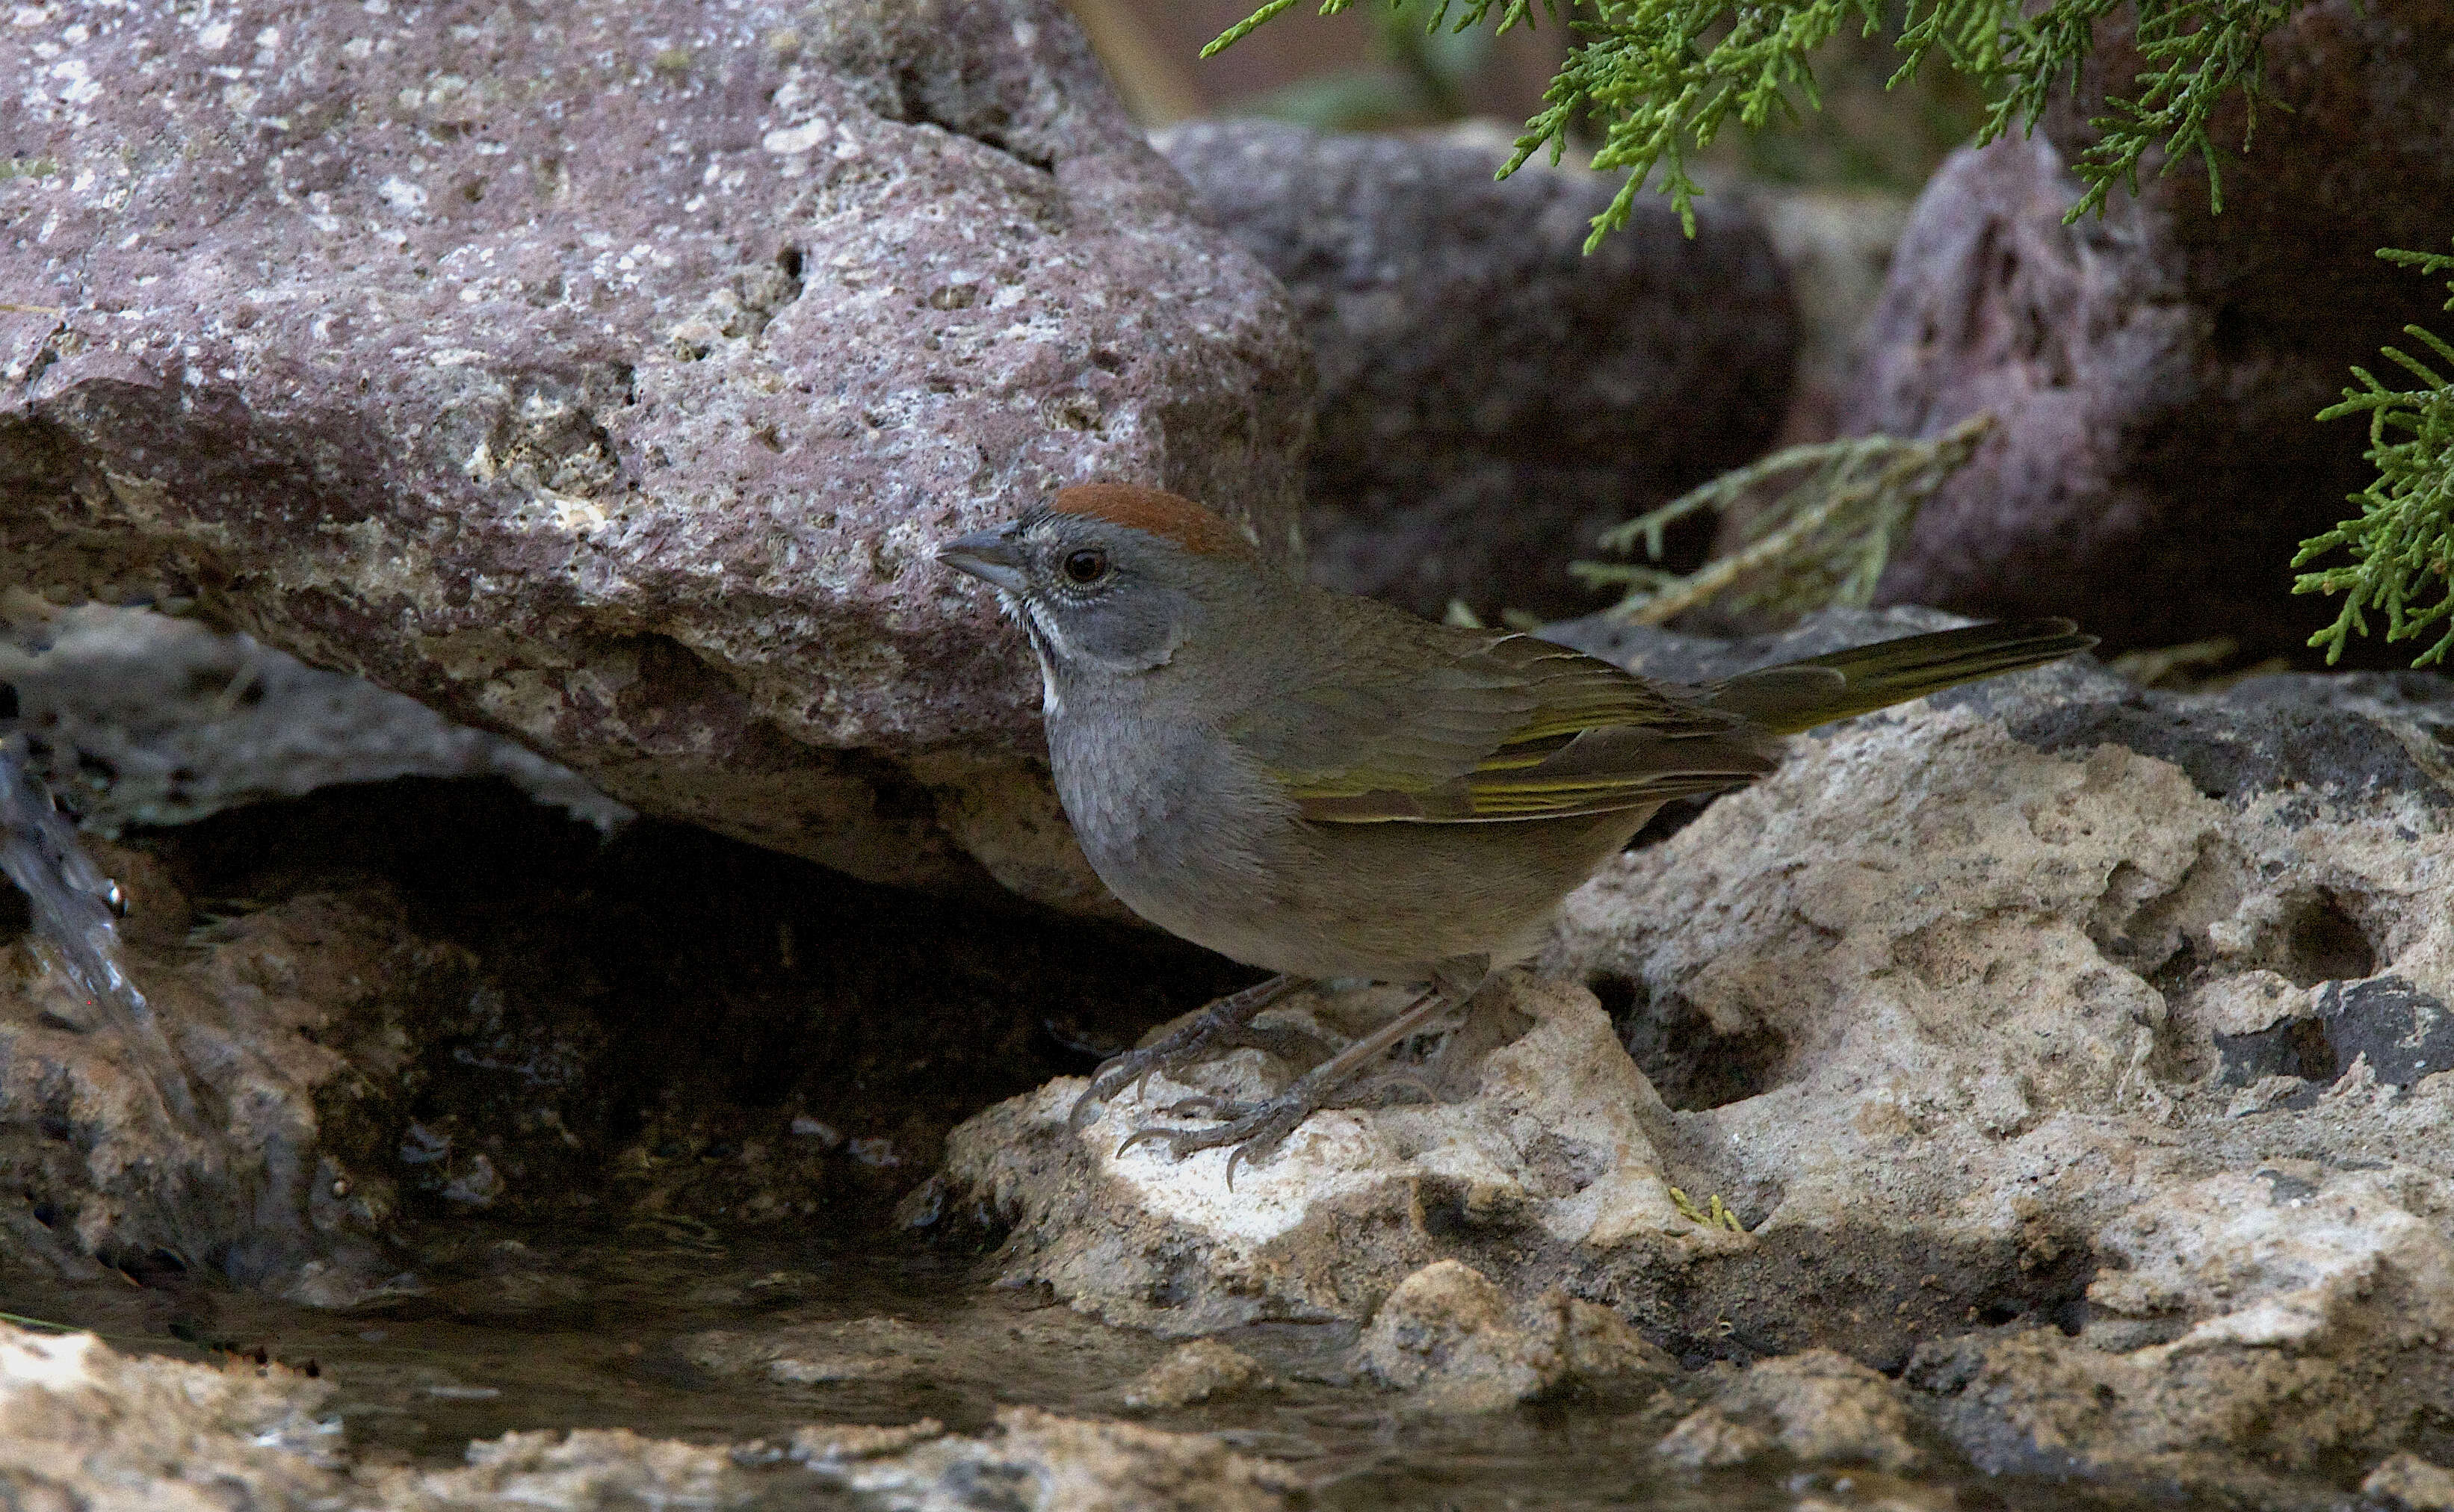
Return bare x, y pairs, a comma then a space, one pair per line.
821, 1354
86, 1426
137, 718
2406, 1483
1195, 1372
615, 412
2156, 371
1042, 1463
584, 1472
1547, 1143
1492, 398
1817, 1407
284, 1167
82, 1425
1450, 1336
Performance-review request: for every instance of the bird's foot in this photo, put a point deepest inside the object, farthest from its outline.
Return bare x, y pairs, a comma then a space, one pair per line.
1255, 1130
1221, 1023
1388, 1089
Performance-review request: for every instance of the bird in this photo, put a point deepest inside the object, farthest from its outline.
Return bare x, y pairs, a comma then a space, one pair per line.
1330, 789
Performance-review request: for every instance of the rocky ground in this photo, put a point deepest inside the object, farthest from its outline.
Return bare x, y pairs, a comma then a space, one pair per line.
2072, 1055
2070, 1058
621, 975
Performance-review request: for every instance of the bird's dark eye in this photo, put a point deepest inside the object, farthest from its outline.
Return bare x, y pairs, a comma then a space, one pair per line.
1086, 567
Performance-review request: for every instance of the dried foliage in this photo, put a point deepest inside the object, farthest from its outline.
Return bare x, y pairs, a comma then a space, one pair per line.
1822, 541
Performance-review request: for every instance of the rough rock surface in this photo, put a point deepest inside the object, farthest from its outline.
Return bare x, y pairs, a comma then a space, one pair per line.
1451, 1336
2156, 371
138, 718
82, 1425
1491, 397
601, 376
1944, 1010
88, 1427
1818, 1406
1043, 1462
1197, 1372
2406, 1483
1551, 1142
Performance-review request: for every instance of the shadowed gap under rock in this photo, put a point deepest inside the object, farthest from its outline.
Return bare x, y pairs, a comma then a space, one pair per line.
668, 1022
1693, 1064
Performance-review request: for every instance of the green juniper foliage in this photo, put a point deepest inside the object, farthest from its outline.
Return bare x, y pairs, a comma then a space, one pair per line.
1659, 78
2402, 545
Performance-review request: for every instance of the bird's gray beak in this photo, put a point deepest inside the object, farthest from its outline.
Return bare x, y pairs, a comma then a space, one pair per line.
988, 555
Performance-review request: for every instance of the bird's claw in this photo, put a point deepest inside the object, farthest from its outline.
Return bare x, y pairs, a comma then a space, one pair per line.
1121, 1074
1254, 1130
1220, 1023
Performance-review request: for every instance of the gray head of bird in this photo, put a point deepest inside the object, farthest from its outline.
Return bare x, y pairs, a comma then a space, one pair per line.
1111, 579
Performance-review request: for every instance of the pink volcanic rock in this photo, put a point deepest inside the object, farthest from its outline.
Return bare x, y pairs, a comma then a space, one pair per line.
2156, 372
602, 375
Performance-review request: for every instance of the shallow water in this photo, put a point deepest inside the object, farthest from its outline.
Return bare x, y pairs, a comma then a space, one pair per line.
514, 1330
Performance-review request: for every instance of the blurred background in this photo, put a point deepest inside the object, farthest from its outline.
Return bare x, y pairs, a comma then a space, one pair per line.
1494, 399
1597, 386
1376, 68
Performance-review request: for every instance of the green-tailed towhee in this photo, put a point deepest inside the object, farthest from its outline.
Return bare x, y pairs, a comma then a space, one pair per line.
1329, 788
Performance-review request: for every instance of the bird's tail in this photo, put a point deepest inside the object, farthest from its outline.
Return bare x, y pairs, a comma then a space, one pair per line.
1800, 695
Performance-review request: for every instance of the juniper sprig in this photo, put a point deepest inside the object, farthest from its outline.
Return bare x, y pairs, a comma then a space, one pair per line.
2402, 545
1660, 79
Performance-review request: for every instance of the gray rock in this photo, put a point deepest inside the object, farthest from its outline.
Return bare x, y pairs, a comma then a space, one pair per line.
1491, 398
137, 718
2156, 371
2342, 735
602, 377
2403, 1033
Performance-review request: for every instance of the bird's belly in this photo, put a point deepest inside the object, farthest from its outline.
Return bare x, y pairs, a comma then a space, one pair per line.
1383, 901
1207, 847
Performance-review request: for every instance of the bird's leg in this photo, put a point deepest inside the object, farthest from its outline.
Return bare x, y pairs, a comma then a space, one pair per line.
1256, 1130
1221, 1021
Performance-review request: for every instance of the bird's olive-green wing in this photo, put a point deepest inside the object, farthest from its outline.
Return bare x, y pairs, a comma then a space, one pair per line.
1478, 729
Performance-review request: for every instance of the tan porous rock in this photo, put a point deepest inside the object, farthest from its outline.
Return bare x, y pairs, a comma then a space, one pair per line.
1817, 1407
1546, 1136
1452, 1336
1195, 1372
2075, 1052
